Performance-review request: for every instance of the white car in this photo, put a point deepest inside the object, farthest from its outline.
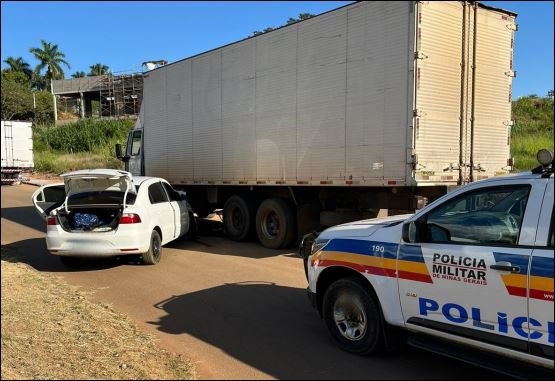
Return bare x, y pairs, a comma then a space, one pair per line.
107, 212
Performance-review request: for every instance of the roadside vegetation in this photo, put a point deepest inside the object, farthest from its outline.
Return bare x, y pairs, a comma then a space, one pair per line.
532, 130
87, 143
52, 331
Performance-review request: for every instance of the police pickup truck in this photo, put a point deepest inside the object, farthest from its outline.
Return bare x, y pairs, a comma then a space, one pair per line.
469, 276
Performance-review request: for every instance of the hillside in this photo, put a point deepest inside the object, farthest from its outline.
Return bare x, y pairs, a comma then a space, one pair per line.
532, 130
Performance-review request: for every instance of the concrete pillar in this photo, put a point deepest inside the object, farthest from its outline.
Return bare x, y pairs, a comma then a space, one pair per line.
54, 101
81, 105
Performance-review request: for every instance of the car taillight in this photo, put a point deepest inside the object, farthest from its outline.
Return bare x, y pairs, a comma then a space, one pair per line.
129, 218
52, 220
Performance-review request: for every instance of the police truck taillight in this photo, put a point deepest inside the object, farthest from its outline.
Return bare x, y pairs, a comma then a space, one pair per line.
52, 220
129, 218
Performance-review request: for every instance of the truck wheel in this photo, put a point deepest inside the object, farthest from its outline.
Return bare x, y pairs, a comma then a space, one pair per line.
353, 317
238, 218
275, 224
193, 227
152, 256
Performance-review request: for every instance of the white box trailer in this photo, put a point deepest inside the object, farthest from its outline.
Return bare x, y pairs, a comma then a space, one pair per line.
17, 150
333, 118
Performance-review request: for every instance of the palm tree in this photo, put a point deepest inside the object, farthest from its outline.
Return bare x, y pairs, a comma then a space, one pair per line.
51, 58
18, 65
79, 74
99, 69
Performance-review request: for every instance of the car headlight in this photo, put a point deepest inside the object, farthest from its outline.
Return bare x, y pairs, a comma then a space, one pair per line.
319, 244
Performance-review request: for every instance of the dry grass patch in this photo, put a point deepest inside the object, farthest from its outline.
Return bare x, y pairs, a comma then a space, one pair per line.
51, 330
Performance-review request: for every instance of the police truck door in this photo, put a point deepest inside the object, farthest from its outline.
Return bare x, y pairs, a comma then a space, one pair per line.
465, 272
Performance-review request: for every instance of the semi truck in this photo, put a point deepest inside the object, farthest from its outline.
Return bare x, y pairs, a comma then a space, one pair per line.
366, 110
17, 150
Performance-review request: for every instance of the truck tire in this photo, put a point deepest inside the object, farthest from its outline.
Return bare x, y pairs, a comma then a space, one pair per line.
193, 227
275, 224
238, 218
353, 318
154, 253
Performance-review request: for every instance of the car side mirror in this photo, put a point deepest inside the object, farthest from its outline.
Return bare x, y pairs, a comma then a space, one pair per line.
118, 152
409, 232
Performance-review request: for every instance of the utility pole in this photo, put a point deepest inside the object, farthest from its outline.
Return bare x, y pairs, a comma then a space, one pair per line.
34, 108
54, 101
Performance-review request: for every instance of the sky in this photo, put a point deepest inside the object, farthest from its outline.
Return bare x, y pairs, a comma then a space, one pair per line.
124, 34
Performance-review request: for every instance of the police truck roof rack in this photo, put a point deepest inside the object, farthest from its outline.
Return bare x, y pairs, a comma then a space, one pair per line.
546, 160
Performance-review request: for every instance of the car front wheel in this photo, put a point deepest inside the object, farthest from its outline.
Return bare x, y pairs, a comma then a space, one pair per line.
353, 317
152, 256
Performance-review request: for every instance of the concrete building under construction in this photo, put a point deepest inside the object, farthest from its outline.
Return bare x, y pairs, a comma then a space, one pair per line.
105, 96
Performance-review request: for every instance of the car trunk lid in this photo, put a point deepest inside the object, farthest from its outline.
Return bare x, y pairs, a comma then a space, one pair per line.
98, 180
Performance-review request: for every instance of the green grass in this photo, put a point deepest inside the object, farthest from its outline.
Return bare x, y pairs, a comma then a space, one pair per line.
532, 131
57, 163
525, 147
87, 143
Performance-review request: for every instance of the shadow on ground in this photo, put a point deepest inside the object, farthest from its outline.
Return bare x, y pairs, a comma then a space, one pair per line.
26, 216
33, 252
250, 322
219, 245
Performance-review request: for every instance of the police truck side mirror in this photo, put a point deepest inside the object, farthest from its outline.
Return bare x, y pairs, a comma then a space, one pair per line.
409, 232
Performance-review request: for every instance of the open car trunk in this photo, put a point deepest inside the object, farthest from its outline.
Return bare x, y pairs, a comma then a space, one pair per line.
89, 218
88, 200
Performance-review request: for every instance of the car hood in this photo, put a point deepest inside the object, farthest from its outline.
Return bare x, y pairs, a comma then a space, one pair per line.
363, 228
90, 180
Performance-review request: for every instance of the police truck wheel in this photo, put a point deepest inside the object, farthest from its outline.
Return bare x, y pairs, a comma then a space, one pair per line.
238, 218
353, 317
275, 224
154, 253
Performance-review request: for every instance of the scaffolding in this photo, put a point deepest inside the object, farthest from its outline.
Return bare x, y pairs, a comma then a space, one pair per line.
121, 95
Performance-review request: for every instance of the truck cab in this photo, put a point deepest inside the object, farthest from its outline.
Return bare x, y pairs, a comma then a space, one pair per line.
133, 155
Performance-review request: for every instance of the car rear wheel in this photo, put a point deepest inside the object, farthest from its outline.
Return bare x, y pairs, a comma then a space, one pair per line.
152, 256
353, 317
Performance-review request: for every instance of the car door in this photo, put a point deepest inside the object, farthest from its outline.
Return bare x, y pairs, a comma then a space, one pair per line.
161, 211
540, 302
181, 214
134, 152
48, 197
476, 264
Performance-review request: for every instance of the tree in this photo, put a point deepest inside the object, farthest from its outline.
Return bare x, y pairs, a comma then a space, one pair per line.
38, 82
17, 98
19, 65
99, 69
290, 20
302, 16
51, 58
79, 74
